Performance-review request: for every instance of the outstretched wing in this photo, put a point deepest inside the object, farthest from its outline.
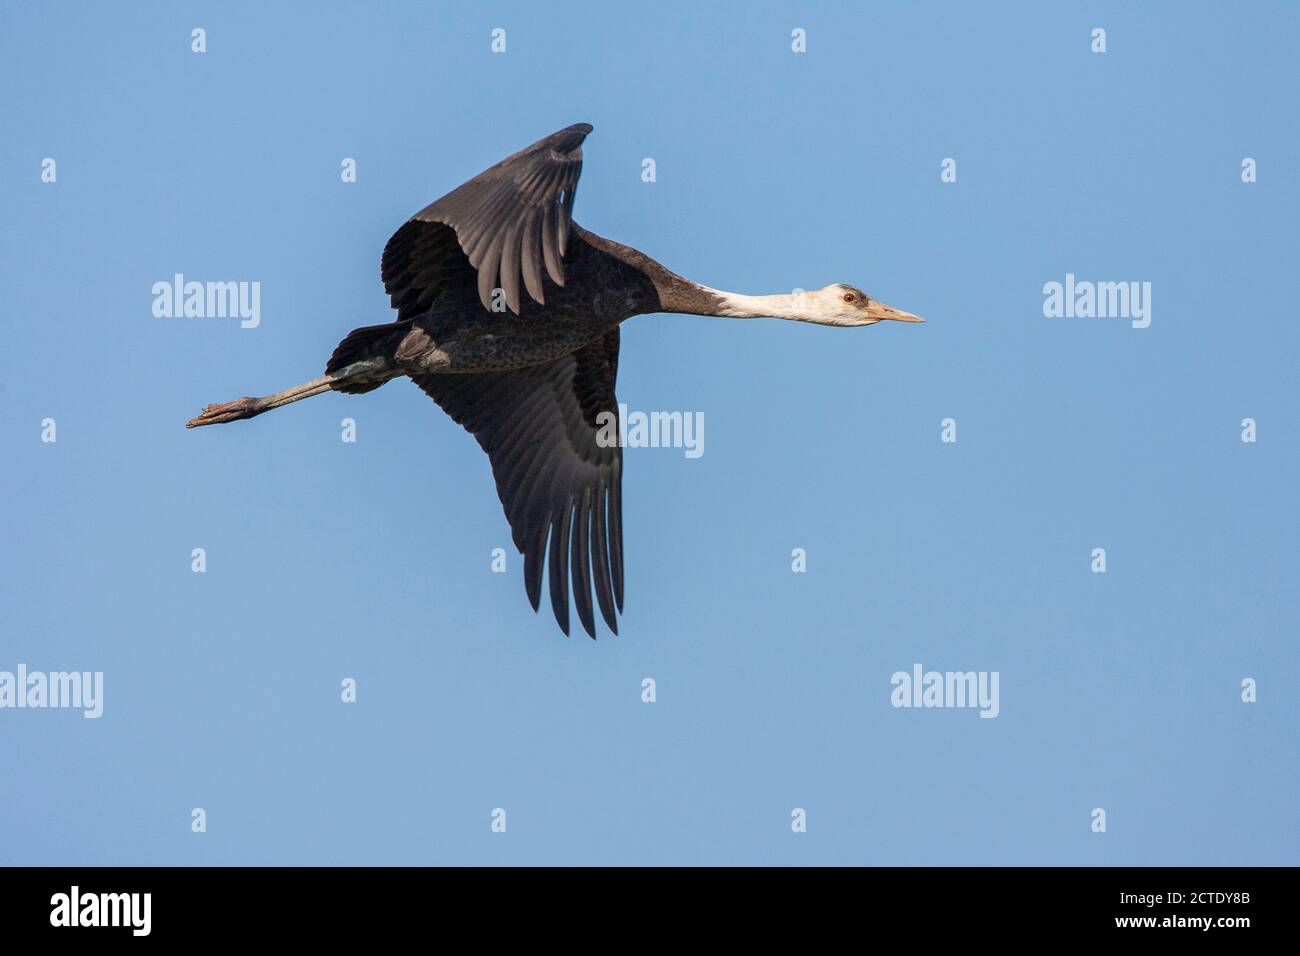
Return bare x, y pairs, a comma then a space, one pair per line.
539, 426
505, 223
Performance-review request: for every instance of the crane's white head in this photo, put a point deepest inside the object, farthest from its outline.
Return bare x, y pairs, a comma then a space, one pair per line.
837, 304
846, 305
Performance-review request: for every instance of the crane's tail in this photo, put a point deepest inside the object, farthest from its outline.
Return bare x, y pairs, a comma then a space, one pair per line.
364, 359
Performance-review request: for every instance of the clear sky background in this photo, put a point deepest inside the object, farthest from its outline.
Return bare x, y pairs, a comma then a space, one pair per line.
775, 170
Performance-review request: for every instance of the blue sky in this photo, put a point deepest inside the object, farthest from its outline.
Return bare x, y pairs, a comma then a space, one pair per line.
775, 170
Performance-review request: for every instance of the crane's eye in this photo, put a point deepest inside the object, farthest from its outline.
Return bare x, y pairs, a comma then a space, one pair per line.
850, 297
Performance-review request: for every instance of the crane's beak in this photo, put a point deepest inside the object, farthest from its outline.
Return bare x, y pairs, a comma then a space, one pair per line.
879, 311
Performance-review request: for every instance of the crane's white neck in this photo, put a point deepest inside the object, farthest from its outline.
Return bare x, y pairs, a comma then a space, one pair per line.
734, 305
819, 306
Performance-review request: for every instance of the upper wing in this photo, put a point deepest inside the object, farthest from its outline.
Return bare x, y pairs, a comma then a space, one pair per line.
421, 261
506, 221
539, 427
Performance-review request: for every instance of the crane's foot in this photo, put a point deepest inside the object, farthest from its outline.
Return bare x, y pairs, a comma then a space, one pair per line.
227, 412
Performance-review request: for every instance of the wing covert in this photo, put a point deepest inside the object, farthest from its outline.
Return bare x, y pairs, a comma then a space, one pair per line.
510, 224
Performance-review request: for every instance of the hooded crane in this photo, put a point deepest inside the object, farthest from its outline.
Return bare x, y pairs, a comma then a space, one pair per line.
508, 317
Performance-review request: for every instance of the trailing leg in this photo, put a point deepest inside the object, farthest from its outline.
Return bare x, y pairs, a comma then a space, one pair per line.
362, 361
251, 407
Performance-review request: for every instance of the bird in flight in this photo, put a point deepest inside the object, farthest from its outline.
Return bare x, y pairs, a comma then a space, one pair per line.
508, 317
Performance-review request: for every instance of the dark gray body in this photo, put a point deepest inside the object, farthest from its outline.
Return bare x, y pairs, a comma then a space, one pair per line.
606, 284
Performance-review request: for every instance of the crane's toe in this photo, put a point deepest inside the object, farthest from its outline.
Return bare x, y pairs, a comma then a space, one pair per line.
225, 412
